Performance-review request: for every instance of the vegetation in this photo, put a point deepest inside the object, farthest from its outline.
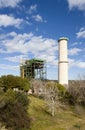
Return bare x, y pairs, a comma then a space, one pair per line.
65, 118
37, 86
76, 92
10, 82
13, 104
51, 97
13, 110
70, 115
51, 106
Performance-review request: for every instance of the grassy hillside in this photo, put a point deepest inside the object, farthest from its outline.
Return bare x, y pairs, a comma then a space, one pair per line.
65, 119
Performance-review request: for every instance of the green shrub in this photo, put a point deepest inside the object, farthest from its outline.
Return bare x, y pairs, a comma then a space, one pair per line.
10, 82
13, 111
68, 98
62, 89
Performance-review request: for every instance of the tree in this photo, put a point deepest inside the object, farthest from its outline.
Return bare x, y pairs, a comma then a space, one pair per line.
10, 82
77, 91
37, 87
7, 82
51, 97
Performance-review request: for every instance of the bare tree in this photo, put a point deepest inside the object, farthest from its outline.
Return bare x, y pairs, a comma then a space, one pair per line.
37, 86
51, 97
77, 90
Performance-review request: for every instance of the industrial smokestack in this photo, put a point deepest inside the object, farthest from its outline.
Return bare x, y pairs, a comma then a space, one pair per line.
63, 61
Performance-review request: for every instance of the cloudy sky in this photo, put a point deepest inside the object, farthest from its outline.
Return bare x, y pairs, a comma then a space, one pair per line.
31, 29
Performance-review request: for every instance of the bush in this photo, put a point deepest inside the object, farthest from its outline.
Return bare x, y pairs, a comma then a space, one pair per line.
13, 114
23, 99
68, 98
77, 92
62, 89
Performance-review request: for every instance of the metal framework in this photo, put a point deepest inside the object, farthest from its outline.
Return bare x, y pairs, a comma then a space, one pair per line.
33, 68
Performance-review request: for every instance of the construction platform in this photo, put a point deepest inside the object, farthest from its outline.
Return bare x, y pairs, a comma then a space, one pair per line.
34, 68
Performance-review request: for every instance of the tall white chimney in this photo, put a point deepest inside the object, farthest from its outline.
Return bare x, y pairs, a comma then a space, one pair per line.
63, 61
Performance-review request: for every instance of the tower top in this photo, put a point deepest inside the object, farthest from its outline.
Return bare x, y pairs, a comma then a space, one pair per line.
63, 38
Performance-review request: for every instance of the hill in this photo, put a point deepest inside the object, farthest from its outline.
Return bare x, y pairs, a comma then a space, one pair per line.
66, 118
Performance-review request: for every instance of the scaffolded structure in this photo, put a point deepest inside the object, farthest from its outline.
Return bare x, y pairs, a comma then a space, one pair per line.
33, 68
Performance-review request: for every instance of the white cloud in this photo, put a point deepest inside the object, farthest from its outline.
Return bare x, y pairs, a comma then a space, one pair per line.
71, 62
80, 4
74, 51
38, 18
9, 67
16, 58
76, 43
9, 3
76, 63
81, 64
81, 33
27, 44
32, 9
51, 59
6, 20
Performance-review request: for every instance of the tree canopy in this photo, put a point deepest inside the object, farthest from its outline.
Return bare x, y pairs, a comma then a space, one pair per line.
10, 81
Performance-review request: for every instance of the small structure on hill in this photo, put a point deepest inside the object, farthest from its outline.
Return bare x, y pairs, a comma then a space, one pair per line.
34, 68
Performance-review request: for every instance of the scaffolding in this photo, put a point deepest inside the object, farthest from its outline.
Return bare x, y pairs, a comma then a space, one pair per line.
34, 68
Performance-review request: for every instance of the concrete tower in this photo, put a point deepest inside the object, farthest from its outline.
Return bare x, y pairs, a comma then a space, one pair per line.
63, 61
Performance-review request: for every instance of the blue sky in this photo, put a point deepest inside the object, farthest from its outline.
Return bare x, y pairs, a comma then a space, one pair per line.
31, 29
